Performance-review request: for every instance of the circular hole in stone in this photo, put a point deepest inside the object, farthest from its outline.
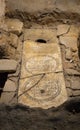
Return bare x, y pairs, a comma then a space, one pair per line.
41, 41
42, 91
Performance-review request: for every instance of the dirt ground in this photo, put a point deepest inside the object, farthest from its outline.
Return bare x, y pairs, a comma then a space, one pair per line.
19, 117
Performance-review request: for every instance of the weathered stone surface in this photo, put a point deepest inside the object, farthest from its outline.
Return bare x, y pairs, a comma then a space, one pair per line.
8, 98
76, 93
69, 92
10, 86
8, 46
62, 29
3, 25
8, 65
16, 74
75, 84
14, 25
68, 54
68, 5
3, 46
3, 38
34, 34
30, 6
35, 6
72, 72
2, 15
2, 8
42, 82
49, 92
74, 30
73, 93
19, 51
69, 42
70, 39
13, 40
32, 48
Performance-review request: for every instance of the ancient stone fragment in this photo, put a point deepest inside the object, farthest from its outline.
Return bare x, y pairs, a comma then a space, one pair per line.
72, 72
7, 97
10, 86
62, 29
70, 38
75, 84
8, 45
14, 25
68, 54
2, 9
13, 40
42, 82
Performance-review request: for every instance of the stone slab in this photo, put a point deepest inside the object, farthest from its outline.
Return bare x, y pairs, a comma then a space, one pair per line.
10, 86
8, 98
14, 25
70, 38
8, 65
14, 40
44, 33
42, 82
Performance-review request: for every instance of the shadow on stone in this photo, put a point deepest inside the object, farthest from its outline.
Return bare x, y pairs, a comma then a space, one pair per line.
79, 47
3, 79
41, 41
73, 107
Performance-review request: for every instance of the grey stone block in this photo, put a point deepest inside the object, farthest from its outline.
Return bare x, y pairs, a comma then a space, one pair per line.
8, 65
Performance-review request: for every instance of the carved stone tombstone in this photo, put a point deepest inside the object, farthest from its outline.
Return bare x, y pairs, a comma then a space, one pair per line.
42, 82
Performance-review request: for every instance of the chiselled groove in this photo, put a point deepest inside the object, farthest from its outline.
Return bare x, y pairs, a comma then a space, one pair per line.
32, 86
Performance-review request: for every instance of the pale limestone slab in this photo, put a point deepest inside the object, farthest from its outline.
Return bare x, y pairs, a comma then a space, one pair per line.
42, 82
40, 58
47, 34
43, 91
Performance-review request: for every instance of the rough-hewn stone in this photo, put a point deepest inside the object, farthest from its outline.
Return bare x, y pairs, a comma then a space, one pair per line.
62, 29
2, 9
70, 39
72, 72
13, 40
14, 25
68, 54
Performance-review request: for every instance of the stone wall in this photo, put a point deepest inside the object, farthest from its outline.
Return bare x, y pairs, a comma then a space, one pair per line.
23, 16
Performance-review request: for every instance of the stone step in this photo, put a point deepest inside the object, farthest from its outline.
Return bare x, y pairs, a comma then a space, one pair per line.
8, 65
